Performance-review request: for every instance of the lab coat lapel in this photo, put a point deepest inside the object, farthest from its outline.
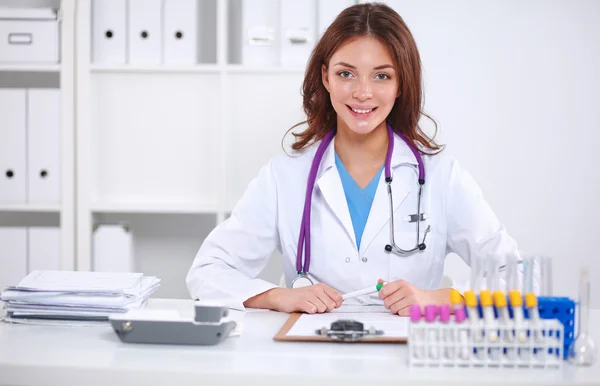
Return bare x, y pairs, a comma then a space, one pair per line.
379, 214
330, 186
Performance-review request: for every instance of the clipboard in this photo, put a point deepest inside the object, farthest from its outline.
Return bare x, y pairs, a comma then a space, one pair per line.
282, 336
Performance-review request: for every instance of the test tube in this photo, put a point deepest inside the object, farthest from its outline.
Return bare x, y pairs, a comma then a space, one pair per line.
463, 337
516, 302
447, 337
504, 321
546, 276
471, 299
531, 304
456, 300
471, 302
432, 331
417, 338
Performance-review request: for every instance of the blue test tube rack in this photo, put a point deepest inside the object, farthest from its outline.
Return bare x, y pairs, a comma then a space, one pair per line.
560, 308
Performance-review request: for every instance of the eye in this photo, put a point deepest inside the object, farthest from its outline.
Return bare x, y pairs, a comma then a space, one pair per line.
345, 74
382, 76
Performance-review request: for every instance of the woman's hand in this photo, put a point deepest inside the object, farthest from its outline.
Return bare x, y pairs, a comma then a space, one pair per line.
399, 295
313, 299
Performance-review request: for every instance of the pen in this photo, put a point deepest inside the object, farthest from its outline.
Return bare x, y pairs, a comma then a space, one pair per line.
364, 291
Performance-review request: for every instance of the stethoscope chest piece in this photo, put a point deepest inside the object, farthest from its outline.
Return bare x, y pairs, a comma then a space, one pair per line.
301, 281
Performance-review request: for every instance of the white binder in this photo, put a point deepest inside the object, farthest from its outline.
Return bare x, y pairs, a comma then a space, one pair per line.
43, 143
13, 255
109, 31
298, 33
112, 249
260, 24
44, 248
329, 10
180, 31
145, 32
13, 147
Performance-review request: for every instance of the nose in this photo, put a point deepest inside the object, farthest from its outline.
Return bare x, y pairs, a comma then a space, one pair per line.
363, 90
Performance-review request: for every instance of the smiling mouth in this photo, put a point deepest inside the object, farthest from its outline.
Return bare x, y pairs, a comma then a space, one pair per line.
361, 112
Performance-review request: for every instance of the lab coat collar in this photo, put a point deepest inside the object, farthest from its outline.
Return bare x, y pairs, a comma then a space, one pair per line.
402, 155
330, 185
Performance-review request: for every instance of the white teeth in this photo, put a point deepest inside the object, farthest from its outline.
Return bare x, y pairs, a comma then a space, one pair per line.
362, 111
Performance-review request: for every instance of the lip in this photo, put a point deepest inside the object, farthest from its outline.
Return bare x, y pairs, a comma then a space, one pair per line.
359, 115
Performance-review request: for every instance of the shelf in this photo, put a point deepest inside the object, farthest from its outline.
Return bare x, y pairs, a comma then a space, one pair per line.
126, 68
26, 208
242, 69
154, 208
29, 67
198, 68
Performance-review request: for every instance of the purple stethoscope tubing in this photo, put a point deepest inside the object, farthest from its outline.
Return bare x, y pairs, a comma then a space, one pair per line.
304, 237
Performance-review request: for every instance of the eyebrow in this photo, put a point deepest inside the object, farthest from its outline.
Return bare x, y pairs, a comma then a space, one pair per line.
353, 67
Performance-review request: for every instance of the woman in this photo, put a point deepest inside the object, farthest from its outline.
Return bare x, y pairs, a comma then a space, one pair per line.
362, 94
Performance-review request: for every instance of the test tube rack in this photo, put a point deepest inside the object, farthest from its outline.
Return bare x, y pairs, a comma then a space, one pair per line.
452, 344
552, 307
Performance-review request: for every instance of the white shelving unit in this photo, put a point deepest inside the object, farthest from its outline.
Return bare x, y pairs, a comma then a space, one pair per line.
27, 75
29, 67
164, 148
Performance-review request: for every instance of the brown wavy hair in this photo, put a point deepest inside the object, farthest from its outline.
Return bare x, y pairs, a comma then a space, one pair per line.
383, 23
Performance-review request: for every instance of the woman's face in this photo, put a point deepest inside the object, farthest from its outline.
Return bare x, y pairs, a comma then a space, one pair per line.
362, 84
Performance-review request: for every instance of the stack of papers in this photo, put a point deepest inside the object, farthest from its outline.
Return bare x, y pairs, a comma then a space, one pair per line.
77, 297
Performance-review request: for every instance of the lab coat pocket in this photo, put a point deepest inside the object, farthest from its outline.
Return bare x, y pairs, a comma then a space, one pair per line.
422, 268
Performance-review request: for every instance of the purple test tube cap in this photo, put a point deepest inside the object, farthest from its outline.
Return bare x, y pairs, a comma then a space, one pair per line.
415, 312
444, 313
460, 315
431, 311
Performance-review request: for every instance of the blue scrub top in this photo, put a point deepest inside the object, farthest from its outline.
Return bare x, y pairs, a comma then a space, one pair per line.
359, 200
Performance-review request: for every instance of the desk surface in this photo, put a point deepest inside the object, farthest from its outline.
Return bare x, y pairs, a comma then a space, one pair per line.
36, 355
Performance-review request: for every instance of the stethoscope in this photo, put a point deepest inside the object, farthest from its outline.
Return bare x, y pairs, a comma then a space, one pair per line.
302, 280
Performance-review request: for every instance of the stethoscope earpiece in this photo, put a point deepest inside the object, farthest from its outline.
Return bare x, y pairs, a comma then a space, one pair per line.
388, 248
422, 246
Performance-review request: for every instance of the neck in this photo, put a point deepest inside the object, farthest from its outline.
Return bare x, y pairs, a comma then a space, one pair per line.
361, 151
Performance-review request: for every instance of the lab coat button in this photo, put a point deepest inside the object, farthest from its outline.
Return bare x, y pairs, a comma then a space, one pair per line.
364, 259
347, 259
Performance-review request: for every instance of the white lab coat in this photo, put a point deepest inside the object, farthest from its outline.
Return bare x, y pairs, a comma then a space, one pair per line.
269, 214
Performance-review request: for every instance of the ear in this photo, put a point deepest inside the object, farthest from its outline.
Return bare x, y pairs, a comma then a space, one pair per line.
325, 77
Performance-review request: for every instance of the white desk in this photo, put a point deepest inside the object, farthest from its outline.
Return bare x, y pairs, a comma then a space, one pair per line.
38, 355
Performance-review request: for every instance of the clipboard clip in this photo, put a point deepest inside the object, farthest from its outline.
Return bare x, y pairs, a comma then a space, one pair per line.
348, 330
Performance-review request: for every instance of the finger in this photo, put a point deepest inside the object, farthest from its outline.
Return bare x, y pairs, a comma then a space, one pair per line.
334, 295
394, 298
390, 288
328, 301
308, 307
402, 307
321, 307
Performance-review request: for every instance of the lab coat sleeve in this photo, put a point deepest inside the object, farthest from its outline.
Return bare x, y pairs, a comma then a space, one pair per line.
474, 231
236, 251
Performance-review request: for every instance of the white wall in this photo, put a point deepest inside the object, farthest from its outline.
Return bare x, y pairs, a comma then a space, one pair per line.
514, 86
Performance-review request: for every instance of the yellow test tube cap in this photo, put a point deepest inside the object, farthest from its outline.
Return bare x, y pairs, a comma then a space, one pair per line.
499, 299
455, 297
515, 298
485, 298
470, 299
530, 300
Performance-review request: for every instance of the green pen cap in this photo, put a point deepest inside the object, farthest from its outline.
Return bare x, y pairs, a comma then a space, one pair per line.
380, 285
